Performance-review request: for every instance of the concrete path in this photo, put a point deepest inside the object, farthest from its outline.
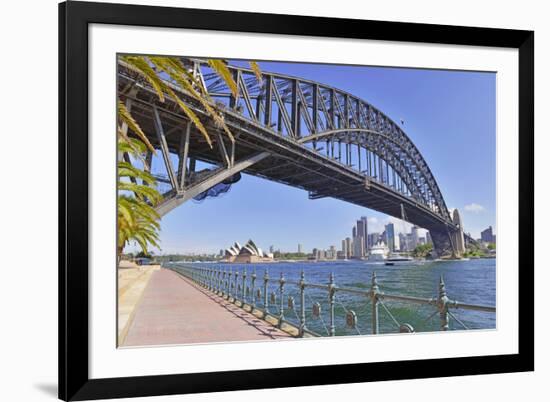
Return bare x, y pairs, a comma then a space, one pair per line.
173, 310
132, 282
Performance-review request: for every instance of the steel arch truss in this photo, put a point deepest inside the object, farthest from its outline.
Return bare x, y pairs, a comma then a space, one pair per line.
331, 122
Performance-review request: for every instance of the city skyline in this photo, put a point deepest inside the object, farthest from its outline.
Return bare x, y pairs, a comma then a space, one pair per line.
460, 152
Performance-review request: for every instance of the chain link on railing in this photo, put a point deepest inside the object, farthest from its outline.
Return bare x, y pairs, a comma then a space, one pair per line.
226, 283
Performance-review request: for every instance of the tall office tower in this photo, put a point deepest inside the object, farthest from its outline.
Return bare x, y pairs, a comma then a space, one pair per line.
333, 254
414, 237
354, 232
299, 248
366, 233
344, 248
362, 234
390, 236
349, 249
359, 247
487, 235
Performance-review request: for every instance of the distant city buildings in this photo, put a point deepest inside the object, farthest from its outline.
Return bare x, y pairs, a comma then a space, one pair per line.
487, 235
300, 249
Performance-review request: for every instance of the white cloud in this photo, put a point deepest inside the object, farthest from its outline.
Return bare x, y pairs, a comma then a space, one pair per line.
473, 207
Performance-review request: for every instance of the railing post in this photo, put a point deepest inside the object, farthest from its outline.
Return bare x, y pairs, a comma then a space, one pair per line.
331, 296
225, 288
282, 301
253, 289
302, 304
236, 286
229, 283
244, 286
266, 279
443, 305
374, 298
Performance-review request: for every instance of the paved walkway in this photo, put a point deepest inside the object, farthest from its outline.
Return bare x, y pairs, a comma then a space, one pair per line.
173, 310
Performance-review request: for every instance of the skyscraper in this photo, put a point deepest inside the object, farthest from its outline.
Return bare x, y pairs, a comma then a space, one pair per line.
487, 235
348, 247
299, 248
359, 238
366, 233
390, 236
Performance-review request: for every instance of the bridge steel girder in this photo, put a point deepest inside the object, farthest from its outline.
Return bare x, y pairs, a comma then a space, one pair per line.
329, 114
195, 189
343, 111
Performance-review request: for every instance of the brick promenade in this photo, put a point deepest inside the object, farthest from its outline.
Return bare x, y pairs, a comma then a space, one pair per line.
173, 310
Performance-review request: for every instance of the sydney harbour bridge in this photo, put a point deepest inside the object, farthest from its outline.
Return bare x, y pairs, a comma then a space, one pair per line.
297, 132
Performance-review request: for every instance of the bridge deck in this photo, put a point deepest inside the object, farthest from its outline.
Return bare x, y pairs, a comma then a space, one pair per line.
175, 311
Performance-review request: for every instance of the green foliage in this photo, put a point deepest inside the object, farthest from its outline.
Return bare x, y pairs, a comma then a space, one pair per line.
143, 254
492, 246
289, 256
422, 250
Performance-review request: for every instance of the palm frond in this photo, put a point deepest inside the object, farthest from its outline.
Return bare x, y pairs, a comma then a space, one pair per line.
141, 65
180, 75
257, 72
221, 69
127, 118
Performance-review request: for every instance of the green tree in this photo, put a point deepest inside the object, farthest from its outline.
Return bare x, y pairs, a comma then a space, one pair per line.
422, 250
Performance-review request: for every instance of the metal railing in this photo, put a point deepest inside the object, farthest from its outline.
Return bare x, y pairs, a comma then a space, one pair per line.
260, 293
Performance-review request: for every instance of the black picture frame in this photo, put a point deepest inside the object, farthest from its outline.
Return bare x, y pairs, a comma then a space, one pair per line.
74, 18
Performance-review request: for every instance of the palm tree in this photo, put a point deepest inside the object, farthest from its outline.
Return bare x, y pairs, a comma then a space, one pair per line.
137, 218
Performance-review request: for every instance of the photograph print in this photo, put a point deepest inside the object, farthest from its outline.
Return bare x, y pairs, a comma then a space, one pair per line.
275, 201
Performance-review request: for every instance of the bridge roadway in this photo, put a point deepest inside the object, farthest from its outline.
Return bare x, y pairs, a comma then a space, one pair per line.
262, 151
173, 310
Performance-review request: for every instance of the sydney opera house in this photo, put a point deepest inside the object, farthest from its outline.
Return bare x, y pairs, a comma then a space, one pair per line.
249, 253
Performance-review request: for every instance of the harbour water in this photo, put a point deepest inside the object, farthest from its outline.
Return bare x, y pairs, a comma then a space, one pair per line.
469, 281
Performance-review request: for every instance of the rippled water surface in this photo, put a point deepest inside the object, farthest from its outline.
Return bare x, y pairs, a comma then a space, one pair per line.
470, 282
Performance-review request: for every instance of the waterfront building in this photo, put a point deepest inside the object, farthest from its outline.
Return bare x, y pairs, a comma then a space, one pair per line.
359, 247
354, 232
299, 248
487, 235
349, 249
249, 253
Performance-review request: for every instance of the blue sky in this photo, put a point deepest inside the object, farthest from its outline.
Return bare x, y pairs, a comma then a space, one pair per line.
449, 115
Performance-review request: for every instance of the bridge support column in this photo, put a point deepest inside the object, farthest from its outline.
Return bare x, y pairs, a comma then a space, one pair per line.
442, 242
